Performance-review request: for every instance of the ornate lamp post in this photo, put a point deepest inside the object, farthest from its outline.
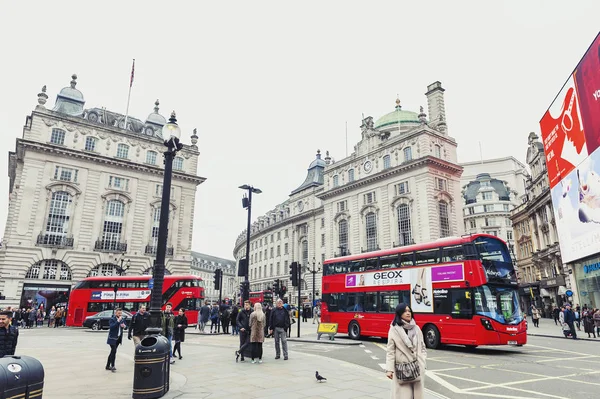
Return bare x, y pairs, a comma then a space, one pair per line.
119, 268
314, 271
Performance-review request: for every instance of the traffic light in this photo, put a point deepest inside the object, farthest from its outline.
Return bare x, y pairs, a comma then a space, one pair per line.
242, 267
294, 273
245, 290
282, 291
218, 279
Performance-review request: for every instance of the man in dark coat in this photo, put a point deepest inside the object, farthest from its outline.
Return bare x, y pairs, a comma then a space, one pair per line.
115, 337
243, 322
139, 322
570, 319
204, 315
279, 324
9, 334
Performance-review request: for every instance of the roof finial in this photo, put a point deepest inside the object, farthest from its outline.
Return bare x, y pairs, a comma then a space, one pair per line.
398, 106
319, 154
74, 81
42, 97
156, 104
422, 115
195, 137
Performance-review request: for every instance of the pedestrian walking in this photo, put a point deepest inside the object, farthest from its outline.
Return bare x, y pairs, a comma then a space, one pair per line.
181, 323
596, 318
267, 310
203, 316
214, 318
257, 332
51, 316
555, 313
32, 318
138, 325
535, 316
243, 323
168, 327
9, 334
115, 338
279, 323
57, 317
588, 322
234, 313
225, 318
570, 320
406, 356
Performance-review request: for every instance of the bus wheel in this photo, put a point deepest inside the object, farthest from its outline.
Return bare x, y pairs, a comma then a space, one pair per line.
354, 330
432, 336
96, 326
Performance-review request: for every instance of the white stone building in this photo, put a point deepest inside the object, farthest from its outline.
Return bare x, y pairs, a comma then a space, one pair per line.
85, 193
491, 189
400, 185
204, 265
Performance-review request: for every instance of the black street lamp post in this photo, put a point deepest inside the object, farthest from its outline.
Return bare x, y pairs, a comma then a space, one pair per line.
170, 133
314, 271
247, 203
119, 268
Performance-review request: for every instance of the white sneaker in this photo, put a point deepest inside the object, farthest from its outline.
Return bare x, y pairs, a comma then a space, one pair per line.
172, 361
260, 361
254, 361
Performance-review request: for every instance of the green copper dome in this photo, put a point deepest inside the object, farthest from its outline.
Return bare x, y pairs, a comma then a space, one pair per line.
398, 116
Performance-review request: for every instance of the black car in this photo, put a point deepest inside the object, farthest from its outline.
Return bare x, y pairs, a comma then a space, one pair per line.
100, 320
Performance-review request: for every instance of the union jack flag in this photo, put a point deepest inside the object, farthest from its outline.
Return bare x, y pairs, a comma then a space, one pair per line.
132, 73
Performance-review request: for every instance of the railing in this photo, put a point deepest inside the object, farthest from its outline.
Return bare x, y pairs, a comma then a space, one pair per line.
51, 240
151, 250
110, 246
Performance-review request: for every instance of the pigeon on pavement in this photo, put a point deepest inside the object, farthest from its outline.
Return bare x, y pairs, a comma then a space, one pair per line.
320, 378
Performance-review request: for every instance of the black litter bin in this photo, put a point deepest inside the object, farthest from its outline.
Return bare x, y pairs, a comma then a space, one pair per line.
151, 369
21, 377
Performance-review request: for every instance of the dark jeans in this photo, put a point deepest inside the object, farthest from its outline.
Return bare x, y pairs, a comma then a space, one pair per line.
113, 355
244, 342
572, 328
257, 350
177, 348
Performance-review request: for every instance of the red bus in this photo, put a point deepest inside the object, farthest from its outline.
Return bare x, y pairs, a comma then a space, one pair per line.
463, 290
262, 297
96, 294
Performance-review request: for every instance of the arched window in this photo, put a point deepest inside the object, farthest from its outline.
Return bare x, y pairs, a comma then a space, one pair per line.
178, 163
336, 181
57, 225
407, 154
113, 225
49, 269
371, 226
437, 151
387, 162
343, 236
148, 272
151, 157
105, 269
350, 175
404, 225
444, 221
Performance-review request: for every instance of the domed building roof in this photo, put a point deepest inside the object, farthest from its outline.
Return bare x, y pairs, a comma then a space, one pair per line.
70, 100
398, 116
484, 181
314, 177
156, 118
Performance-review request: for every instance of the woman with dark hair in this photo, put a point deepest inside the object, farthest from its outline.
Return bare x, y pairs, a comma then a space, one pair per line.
181, 323
406, 355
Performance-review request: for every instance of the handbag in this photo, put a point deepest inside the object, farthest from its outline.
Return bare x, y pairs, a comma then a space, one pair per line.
408, 372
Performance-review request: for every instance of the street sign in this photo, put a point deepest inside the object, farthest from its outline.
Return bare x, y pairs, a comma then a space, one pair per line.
151, 283
569, 293
327, 328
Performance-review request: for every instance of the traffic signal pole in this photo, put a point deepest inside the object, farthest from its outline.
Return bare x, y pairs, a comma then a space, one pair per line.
299, 296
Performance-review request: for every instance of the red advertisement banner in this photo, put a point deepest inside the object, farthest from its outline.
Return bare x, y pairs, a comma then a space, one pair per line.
587, 81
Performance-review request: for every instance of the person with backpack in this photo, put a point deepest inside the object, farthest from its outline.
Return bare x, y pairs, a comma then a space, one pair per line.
138, 325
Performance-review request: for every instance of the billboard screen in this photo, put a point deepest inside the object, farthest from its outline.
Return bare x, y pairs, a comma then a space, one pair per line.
571, 136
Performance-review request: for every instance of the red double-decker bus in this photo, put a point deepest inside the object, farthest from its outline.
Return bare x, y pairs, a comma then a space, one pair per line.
96, 294
463, 290
261, 297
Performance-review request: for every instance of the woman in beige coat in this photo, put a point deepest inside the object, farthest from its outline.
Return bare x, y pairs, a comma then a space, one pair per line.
257, 332
405, 345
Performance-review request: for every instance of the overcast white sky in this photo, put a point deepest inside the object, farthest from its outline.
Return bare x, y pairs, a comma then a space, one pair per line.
269, 83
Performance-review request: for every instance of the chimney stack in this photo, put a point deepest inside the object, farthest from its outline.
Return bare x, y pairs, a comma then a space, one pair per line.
436, 107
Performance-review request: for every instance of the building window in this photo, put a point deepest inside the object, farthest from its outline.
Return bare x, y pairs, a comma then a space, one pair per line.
472, 210
490, 222
487, 196
473, 224
285, 248
437, 151
342, 206
279, 250
322, 240
404, 225
65, 174
151, 157
286, 235
50, 270
278, 268
505, 207
178, 163
402, 188
407, 154
272, 237
509, 235
343, 236
488, 208
278, 235
118, 182
90, 143
370, 198
113, 224
271, 270
122, 151
350, 175
322, 223
59, 214
371, 224
441, 184
57, 136
155, 227
444, 221
387, 162
304, 253
336, 181
271, 252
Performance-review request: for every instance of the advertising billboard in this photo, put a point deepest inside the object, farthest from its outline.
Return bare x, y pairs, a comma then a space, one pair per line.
571, 135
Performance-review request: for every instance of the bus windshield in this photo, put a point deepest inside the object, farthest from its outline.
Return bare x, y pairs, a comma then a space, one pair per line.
496, 260
498, 303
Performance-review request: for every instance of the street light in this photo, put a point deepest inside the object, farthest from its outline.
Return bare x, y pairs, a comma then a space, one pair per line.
314, 271
247, 203
120, 269
170, 133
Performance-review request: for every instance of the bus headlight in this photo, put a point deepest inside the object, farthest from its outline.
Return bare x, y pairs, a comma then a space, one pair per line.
487, 325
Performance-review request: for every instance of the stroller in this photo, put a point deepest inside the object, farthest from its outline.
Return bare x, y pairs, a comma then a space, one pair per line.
567, 330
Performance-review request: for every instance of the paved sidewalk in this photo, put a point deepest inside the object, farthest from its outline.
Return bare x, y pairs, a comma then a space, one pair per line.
547, 328
74, 362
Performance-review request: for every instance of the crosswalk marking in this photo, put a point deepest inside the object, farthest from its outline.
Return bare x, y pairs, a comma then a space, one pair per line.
368, 351
374, 358
382, 365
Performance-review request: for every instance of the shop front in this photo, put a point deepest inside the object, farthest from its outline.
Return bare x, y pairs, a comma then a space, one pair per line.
529, 293
553, 290
46, 295
587, 277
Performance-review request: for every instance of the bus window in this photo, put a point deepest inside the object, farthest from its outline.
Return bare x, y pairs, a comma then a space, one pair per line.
366, 302
407, 259
371, 264
389, 300
357, 266
453, 254
454, 301
389, 262
427, 257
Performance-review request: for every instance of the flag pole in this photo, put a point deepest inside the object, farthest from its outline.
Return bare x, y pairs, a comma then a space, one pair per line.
129, 95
